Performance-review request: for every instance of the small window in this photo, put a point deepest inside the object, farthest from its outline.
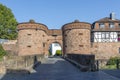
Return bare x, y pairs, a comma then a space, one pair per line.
119, 49
43, 35
80, 45
107, 35
103, 35
111, 25
65, 45
36, 29
101, 25
119, 25
65, 34
80, 33
43, 44
29, 46
29, 34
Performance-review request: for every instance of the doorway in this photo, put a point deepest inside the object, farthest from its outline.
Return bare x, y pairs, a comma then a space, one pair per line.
55, 49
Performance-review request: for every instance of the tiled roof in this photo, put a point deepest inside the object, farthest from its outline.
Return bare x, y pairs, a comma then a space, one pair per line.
107, 19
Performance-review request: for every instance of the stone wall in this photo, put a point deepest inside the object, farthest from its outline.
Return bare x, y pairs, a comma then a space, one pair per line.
11, 46
2, 68
76, 38
105, 50
77, 41
11, 62
31, 42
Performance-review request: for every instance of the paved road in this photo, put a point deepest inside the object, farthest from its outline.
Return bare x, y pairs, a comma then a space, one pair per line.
59, 69
115, 72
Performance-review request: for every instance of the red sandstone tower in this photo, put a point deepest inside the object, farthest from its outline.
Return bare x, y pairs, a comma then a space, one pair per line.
76, 38
31, 38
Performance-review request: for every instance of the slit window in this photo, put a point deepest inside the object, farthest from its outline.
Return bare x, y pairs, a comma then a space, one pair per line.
118, 37
65, 34
80, 33
65, 45
43, 35
43, 44
29, 34
80, 45
29, 46
119, 49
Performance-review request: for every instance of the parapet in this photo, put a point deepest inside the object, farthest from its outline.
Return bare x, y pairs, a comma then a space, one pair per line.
76, 25
32, 25
55, 32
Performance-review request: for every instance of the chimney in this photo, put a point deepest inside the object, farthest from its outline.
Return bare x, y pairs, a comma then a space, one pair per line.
112, 16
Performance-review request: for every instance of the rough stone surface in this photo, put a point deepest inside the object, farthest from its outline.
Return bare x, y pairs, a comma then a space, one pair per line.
77, 41
35, 38
105, 50
17, 63
76, 38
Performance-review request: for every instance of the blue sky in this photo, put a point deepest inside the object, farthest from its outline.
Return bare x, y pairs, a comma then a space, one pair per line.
56, 13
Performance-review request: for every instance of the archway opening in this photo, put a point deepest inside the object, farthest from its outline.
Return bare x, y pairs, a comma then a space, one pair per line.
55, 49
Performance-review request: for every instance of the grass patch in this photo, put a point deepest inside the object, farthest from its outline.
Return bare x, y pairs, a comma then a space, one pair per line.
113, 63
109, 67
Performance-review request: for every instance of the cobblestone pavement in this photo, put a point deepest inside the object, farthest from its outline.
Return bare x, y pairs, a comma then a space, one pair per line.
59, 69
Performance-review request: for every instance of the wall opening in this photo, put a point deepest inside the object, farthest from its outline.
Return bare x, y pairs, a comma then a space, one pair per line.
55, 49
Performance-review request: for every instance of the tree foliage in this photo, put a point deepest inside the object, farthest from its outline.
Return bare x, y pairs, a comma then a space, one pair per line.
8, 23
113, 60
58, 52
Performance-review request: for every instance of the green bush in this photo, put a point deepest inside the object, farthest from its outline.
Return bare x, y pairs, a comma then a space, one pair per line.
58, 53
2, 52
113, 60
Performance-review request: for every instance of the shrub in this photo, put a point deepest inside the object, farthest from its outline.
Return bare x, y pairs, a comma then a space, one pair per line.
113, 60
58, 52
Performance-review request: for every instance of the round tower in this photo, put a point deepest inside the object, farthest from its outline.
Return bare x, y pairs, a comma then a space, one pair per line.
76, 38
31, 38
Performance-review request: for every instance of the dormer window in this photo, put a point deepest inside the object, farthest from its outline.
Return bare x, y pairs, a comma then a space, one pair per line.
101, 25
111, 25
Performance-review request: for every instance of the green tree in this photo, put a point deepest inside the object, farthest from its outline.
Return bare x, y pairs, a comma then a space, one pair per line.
8, 23
58, 52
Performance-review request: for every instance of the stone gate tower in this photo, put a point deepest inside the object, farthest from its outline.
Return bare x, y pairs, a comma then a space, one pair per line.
76, 38
35, 38
31, 38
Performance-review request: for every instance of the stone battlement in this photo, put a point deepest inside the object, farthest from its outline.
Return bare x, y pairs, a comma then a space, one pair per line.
76, 25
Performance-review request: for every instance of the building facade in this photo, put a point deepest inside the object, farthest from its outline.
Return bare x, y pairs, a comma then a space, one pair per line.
105, 37
102, 38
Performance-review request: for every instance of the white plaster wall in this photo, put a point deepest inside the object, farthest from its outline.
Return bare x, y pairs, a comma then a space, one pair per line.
111, 35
